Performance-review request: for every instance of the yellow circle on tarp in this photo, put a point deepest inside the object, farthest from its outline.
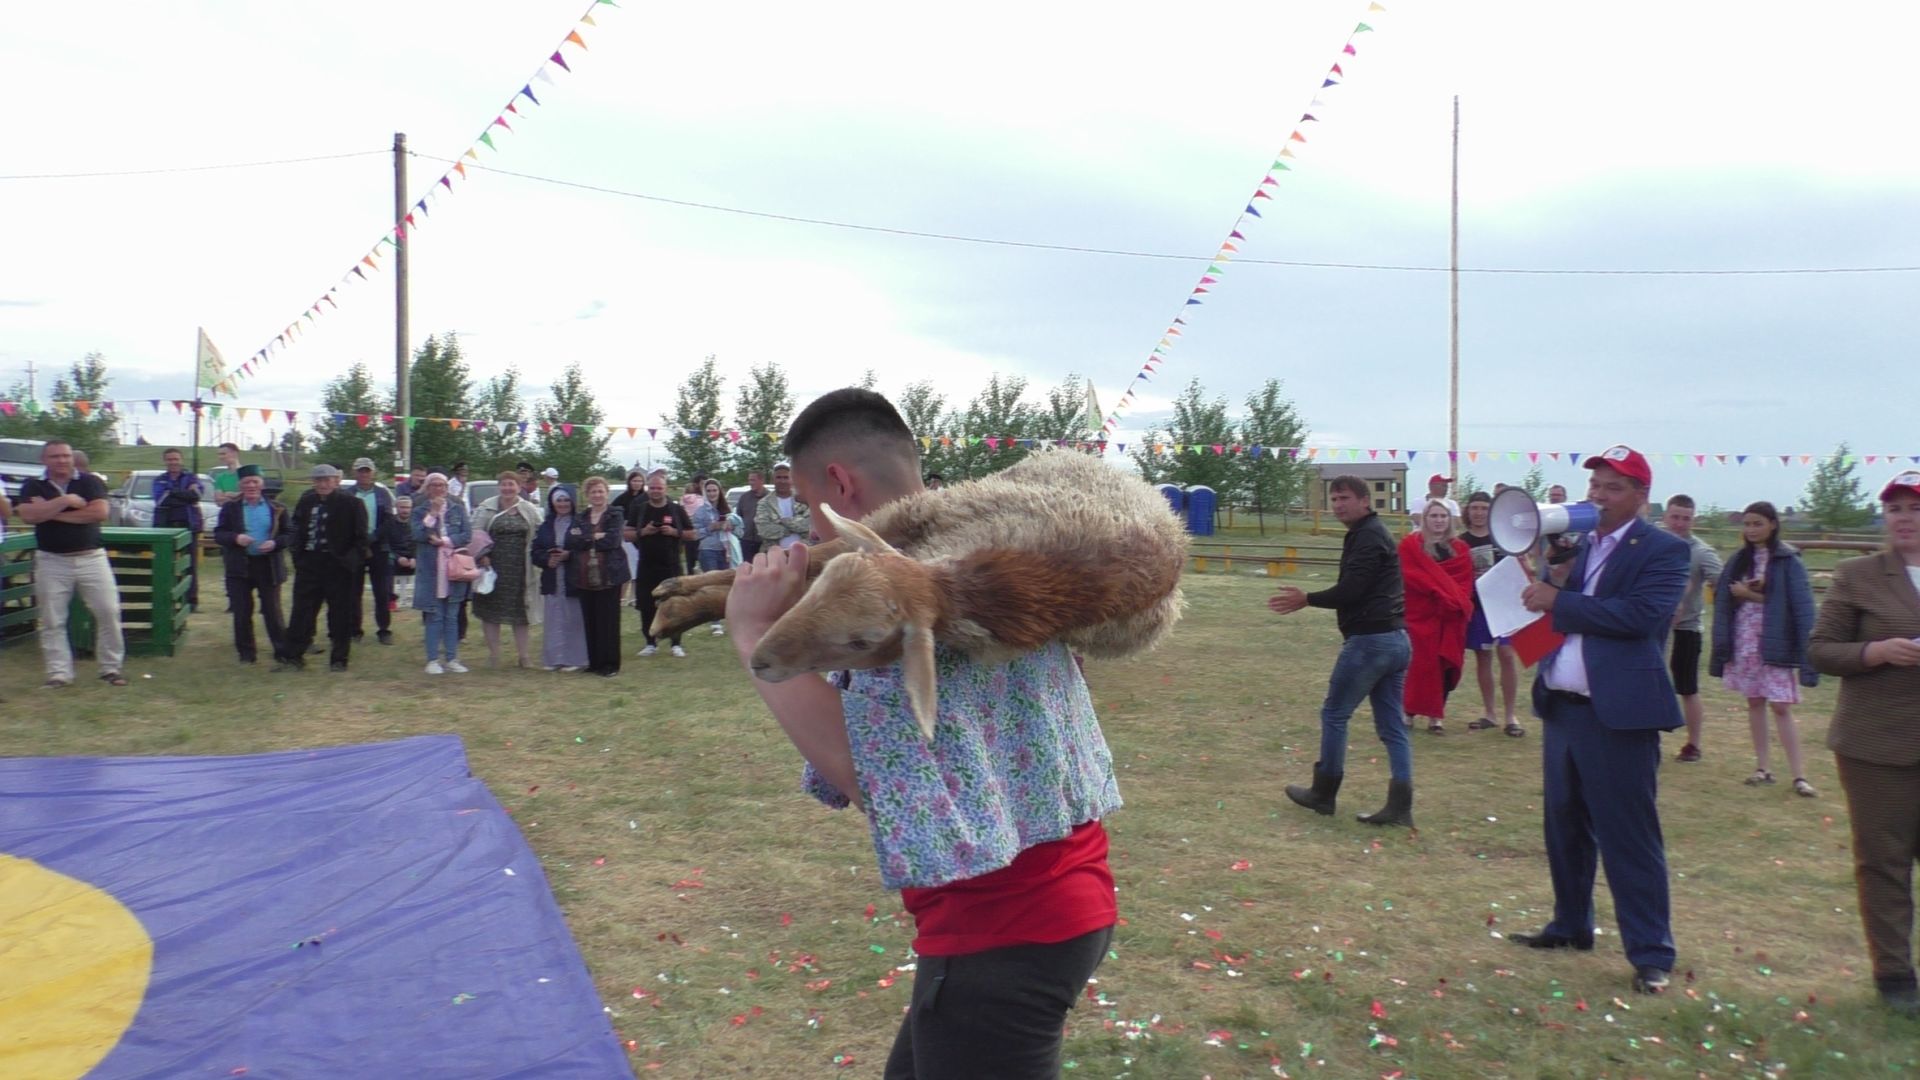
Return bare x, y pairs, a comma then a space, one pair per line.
77, 963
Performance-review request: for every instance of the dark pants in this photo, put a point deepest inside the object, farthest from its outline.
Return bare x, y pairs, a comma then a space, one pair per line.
1884, 803
650, 579
692, 548
749, 547
997, 1013
380, 570
1601, 790
600, 620
240, 594
193, 573
318, 581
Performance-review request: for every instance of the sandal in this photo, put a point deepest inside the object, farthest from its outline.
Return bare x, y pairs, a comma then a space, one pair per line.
1514, 730
1802, 788
113, 678
1435, 727
1481, 724
55, 684
1760, 776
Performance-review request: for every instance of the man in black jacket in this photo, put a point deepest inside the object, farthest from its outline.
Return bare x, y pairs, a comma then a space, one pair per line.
1369, 598
329, 548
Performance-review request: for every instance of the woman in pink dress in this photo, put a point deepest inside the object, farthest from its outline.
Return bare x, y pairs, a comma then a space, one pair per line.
1762, 618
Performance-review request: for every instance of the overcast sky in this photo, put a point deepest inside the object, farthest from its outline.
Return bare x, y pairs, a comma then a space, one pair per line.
1630, 136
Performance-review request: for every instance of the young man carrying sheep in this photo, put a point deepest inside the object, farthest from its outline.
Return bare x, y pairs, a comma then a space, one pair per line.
991, 828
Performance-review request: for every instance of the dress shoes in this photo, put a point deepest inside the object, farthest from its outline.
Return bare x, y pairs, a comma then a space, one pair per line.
1545, 940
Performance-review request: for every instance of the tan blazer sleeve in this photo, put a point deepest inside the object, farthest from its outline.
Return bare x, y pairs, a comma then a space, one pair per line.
1837, 647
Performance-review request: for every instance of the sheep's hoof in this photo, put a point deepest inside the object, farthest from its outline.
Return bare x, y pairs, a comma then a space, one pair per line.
693, 584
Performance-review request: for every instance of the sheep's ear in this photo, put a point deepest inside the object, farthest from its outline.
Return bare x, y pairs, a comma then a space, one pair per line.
916, 668
862, 539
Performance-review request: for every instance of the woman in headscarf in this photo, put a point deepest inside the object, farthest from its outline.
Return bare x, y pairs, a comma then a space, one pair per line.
1438, 573
440, 525
564, 636
510, 521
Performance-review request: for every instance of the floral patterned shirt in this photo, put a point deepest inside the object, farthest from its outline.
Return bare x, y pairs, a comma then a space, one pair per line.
1017, 759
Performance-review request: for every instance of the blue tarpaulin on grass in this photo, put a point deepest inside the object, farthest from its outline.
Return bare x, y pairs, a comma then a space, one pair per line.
360, 911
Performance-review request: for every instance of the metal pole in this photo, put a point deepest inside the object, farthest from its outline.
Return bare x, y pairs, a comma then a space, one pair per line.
193, 465
1453, 316
402, 378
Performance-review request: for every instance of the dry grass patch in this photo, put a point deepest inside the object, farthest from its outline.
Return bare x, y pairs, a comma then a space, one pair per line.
664, 805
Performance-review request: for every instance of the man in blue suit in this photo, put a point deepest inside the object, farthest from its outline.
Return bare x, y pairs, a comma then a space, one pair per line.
1604, 697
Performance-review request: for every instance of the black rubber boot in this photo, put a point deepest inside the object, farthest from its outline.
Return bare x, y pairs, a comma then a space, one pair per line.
1399, 808
1318, 798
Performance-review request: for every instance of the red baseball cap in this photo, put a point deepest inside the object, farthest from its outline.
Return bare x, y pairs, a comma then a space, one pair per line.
1442, 479
1624, 460
1908, 482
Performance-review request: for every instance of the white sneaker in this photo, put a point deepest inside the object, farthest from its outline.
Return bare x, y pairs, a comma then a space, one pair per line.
456, 667
679, 652
649, 650
719, 629
434, 668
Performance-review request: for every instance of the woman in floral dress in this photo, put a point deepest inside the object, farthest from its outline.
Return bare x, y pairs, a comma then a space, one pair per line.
1762, 618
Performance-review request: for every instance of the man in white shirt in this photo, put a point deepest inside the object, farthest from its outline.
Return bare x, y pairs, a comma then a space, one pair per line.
1437, 486
1604, 697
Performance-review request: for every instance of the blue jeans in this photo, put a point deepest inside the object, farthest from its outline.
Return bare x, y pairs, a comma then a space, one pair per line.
443, 631
712, 559
1371, 666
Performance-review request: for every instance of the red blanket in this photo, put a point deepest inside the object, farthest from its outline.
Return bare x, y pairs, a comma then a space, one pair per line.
1439, 603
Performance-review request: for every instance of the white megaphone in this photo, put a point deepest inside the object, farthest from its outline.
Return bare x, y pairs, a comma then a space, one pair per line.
1518, 523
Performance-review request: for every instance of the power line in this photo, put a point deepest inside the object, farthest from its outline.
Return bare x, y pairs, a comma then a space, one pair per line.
191, 168
1132, 254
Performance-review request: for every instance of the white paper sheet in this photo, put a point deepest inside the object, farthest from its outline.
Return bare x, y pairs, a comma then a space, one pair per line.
1500, 590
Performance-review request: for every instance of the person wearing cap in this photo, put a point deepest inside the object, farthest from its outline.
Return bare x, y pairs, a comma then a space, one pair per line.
379, 566
252, 531
1603, 698
329, 548
549, 479
1437, 486
1868, 634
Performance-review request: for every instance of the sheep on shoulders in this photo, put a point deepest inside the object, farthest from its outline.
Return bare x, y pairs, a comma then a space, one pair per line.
1059, 546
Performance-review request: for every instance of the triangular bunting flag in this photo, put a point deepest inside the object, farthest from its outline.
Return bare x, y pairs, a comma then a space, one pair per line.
562, 61
574, 36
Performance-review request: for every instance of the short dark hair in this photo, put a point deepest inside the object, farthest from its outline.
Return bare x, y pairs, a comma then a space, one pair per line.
1680, 500
932, 476
235, 447
527, 465
1350, 484
1479, 497
171, 450
848, 412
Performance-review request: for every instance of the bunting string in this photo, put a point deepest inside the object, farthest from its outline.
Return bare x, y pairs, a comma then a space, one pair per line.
1216, 269
657, 432
519, 106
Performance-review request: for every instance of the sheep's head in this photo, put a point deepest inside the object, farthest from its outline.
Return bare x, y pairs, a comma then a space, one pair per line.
868, 608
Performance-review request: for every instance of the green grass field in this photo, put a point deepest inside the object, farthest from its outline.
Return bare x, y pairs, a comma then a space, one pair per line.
736, 928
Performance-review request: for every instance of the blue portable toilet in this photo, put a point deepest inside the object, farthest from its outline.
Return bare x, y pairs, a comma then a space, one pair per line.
1176, 499
1200, 504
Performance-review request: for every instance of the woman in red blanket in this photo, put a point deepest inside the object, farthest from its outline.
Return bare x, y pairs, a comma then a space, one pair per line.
1438, 572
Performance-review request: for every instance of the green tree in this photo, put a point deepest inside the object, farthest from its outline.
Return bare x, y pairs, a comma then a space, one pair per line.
925, 412
1000, 413
503, 441
442, 390
1199, 424
692, 442
1835, 499
339, 436
1065, 414
569, 434
764, 404
1271, 479
1535, 483
91, 428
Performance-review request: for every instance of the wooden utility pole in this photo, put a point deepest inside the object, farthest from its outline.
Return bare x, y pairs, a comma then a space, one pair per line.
402, 377
1453, 315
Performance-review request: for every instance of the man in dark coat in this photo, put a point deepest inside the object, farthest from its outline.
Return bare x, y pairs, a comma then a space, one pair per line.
329, 549
252, 531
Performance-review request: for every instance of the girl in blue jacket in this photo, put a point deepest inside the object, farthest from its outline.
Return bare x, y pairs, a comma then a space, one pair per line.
1762, 617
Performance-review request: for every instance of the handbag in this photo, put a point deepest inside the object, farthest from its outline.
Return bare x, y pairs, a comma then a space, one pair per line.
461, 566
